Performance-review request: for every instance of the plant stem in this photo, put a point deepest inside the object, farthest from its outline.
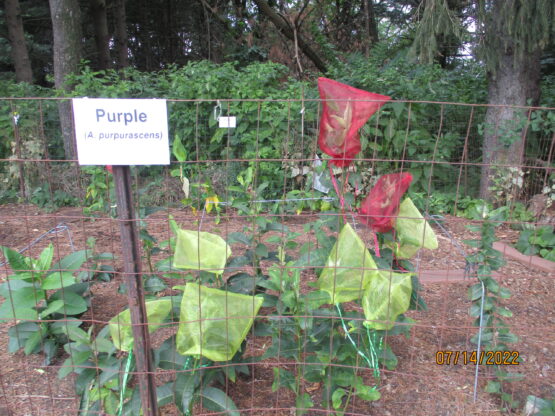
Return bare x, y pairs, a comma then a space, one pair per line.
348, 398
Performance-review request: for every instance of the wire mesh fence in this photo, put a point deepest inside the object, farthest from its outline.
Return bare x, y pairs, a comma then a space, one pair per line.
264, 289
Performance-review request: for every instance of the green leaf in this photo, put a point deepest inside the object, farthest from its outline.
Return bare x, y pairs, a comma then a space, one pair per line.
13, 286
78, 335
103, 345
96, 394
71, 262
26, 297
403, 325
475, 291
343, 377
167, 358
492, 286
473, 243
388, 357
73, 303
164, 394
273, 239
316, 298
487, 337
104, 256
367, 393
7, 312
500, 310
52, 307
34, 341
17, 261
242, 283
60, 327
504, 293
237, 237
154, 284
19, 334
185, 386
27, 276
493, 387
506, 376
508, 338
216, 400
398, 108
523, 245
45, 258
84, 380
283, 378
484, 272
337, 398
50, 349
178, 149
261, 250
303, 403
548, 254
133, 406
277, 226
71, 363
217, 137
111, 403
58, 280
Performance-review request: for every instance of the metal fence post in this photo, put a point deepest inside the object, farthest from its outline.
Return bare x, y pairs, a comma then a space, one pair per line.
133, 280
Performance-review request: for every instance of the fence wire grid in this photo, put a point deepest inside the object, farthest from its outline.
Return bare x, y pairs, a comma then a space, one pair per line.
243, 240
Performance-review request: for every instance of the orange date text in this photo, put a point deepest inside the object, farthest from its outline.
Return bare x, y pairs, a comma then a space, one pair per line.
447, 357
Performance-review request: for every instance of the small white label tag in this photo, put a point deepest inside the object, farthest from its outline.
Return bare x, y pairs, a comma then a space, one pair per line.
228, 122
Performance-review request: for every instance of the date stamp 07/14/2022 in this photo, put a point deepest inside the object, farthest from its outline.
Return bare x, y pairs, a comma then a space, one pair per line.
447, 357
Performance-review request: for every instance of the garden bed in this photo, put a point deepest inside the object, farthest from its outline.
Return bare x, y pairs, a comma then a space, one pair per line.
417, 386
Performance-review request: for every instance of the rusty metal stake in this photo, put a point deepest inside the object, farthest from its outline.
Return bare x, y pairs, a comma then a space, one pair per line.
135, 295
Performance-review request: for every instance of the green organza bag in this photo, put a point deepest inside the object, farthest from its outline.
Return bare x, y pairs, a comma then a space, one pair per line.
349, 268
386, 297
213, 322
120, 325
200, 251
413, 232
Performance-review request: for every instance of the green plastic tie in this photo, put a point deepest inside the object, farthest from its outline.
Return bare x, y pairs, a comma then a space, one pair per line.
373, 352
124, 382
372, 363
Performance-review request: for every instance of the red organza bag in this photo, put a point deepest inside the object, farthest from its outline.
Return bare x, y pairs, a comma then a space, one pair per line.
381, 206
341, 119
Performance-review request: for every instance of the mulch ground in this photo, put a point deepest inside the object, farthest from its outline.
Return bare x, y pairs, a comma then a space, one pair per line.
418, 386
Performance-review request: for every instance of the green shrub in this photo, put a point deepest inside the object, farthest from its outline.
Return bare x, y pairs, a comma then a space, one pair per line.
540, 241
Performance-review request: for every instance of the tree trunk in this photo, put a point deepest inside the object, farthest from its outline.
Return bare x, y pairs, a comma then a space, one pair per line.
514, 82
101, 34
122, 50
284, 28
371, 25
66, 28
513, 79
20, 55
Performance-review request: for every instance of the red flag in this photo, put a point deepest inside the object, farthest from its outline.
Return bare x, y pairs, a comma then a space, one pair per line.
381, 206
341, 119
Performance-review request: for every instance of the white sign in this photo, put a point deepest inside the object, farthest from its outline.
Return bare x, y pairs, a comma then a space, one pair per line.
121, 131
227, 122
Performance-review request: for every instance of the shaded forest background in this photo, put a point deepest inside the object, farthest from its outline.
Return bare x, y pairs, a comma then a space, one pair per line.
466, 51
